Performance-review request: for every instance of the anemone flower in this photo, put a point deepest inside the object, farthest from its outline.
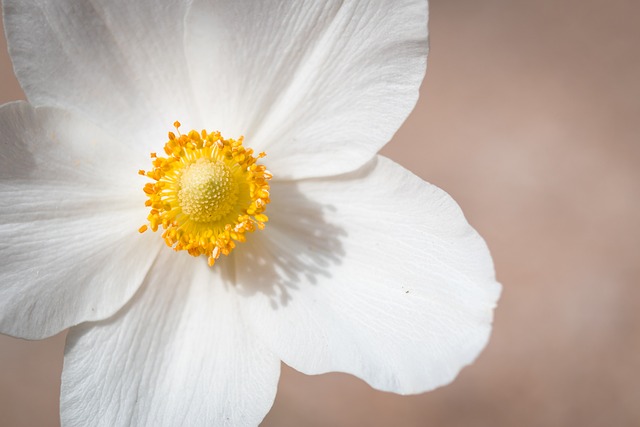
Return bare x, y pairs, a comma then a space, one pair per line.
332, 258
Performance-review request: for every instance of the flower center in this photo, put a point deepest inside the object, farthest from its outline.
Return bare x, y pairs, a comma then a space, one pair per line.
207, 193
207, 190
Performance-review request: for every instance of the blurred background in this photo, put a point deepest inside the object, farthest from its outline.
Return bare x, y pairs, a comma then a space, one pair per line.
530, 119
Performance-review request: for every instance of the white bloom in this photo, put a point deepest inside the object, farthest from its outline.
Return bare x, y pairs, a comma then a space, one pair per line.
362, 268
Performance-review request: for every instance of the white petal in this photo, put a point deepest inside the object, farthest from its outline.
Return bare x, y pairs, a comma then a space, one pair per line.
119, 62
178, 354
320, 86
70, 206
376, 273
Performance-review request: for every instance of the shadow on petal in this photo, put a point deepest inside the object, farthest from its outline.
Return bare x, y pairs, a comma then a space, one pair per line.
20, 129
298, 245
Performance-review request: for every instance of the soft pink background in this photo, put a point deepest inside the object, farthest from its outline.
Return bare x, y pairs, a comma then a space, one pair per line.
529, 117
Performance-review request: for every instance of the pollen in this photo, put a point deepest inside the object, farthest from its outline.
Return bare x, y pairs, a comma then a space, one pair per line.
206, 194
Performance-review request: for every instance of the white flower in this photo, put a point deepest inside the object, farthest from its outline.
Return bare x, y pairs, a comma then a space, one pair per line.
363, 267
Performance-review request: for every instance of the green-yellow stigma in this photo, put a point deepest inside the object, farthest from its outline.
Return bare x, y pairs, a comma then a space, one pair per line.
207, 193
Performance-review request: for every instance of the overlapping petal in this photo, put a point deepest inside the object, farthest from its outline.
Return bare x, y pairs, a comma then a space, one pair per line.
178, 354
319, 86
70, 206
377, 274
121, 63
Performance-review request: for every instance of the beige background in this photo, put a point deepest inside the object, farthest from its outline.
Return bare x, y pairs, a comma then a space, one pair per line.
529, 117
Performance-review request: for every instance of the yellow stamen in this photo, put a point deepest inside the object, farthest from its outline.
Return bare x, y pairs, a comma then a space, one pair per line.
207, 193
